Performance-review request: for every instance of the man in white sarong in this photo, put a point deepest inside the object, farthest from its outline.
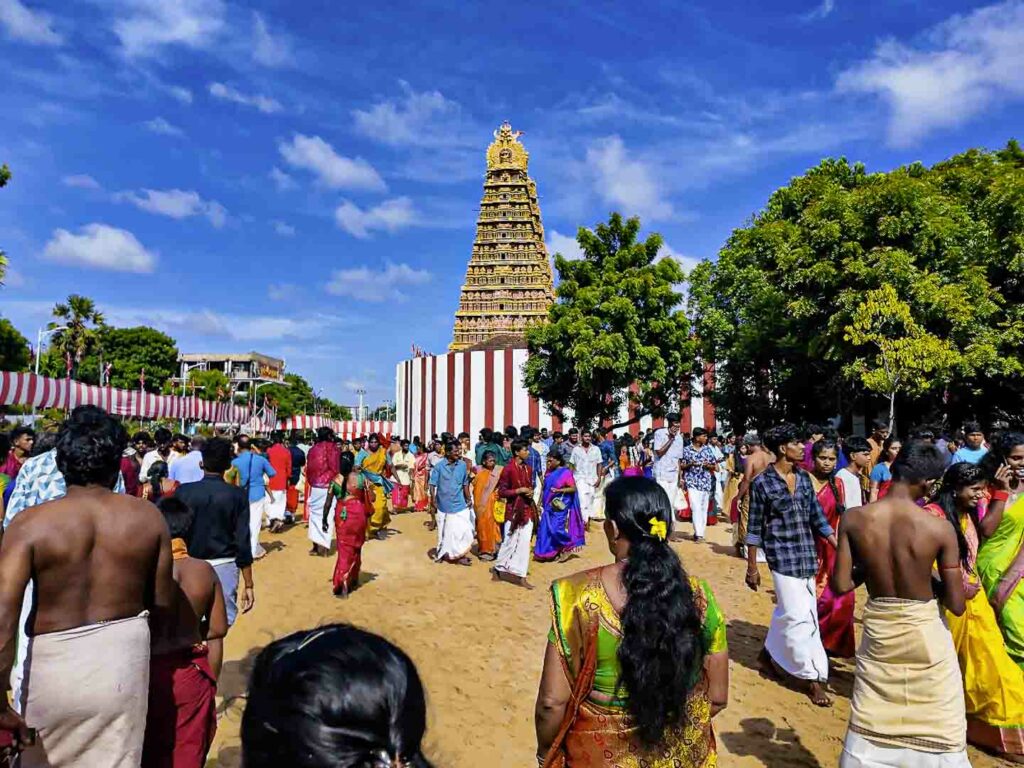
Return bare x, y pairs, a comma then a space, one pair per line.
452, 502
588, 468
86, 689
668, 450
516, 487
784, 518
322, 465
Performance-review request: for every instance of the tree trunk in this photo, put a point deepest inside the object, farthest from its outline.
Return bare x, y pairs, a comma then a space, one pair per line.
892, 412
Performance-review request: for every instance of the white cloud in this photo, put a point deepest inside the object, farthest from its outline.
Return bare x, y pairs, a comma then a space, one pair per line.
283, 229
264, 104
333, 170
184, 95
372, 285
13, 278
416, 119
281, 179
22, 23
685, 261
100, 246
160, 126
282, 291
963, 66
626, 182
81, 181
389, 216
563, 244
176, 204
822, 11
208, 323
268, 50
145, 26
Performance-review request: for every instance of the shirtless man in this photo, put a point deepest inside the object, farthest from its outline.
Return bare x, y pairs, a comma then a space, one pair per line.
908, 700
758, 459
99, 561
186, 661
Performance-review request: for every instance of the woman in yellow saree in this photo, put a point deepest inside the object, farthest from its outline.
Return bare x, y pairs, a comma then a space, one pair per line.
636, 664
1001, 556
993, 683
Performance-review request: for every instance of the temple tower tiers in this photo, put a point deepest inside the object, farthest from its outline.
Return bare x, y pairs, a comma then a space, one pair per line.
508, 282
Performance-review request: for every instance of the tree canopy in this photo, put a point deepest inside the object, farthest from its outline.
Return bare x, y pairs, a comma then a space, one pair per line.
298, 398
906, 283
14, 349
615, 322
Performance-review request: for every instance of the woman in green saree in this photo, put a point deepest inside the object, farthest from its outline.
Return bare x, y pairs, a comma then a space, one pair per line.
1001, 556
636, 664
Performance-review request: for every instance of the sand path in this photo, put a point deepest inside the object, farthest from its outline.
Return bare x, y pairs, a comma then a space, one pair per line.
479, 646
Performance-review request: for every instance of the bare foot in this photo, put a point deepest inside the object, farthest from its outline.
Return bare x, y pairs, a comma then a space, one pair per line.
462, 561
525, 584
816, 693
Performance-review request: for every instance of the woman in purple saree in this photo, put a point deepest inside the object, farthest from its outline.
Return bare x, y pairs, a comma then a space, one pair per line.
560, 531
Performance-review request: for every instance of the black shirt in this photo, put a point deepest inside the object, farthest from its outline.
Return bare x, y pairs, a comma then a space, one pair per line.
298, 462
221, 527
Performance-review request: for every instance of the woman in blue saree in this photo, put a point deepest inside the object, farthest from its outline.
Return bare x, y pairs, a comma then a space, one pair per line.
560, 532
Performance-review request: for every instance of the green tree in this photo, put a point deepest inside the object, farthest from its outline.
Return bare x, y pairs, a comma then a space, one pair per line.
129, 351
14, 349
782, 312
614, 323
297, 397
81, 322
212, 385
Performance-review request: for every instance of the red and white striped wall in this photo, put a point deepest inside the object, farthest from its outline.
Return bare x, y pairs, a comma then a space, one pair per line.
346, 430
467, 391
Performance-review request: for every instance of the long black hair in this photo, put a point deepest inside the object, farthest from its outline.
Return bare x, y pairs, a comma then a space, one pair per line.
956, 478
157, 472
826, 444
334, 697
660, 652
998, 451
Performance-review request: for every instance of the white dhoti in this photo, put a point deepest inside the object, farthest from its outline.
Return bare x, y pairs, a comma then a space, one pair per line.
698, 501
859, 752
794, 640
256, 510
671, 487
514, 555
87, 694
315, 518
455, 532
586, 492
597, 507
276, 504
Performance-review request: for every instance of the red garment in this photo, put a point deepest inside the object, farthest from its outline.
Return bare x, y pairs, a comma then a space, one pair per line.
280, 459
400, 496
835, 613
291, 502
182, 718
519, 509
11, 467
130, 473
322, 464
350, 521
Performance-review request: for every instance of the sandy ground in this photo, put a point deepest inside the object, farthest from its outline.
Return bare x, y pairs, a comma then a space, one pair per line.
479, 646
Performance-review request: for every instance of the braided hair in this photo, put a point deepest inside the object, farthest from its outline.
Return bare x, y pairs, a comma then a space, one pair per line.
660, 653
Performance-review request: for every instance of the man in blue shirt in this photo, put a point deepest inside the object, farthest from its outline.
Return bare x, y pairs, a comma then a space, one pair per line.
189, 468
973, 448
252, 467
451, 502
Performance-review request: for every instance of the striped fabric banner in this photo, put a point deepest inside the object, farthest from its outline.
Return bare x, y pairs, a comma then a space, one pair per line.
346, 430
43, 392
467, 391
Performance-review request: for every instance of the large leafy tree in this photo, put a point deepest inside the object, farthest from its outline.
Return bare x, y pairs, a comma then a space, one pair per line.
615, 323
81, 321
845, 272
129, 351
14, 349
298, 398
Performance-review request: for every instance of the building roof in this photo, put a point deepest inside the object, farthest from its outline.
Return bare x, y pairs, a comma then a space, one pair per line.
243, 357
499, 341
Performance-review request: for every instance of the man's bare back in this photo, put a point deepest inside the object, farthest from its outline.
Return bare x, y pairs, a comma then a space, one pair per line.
756, 463
892, 545
94, 555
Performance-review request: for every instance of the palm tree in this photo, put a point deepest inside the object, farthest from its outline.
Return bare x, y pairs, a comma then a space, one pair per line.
81, 320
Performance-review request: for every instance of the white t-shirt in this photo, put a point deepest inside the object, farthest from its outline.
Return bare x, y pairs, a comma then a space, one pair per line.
151, 458
852, 489
667, 466
585, 462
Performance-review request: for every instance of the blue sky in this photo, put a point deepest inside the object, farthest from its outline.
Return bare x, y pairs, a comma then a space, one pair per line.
302, 178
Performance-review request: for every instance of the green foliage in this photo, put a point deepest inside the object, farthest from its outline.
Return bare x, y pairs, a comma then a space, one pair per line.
845, 273
14, 349
81, 321
129, 351
212, 385
298, 398
614, 323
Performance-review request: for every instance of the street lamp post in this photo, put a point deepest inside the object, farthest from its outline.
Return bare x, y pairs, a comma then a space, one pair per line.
263, 384
362, 411
185, 368
43, 333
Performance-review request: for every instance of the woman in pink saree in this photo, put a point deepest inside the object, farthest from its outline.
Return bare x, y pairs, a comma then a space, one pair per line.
420, 475
350, 520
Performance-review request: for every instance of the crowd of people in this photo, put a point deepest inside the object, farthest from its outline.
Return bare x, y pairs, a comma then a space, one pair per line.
144, 548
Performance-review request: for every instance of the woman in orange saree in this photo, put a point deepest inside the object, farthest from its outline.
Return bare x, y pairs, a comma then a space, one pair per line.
642, 618
835, 612
420, 475
485, 493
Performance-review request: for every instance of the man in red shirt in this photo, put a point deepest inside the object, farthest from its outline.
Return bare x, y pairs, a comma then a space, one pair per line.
280, 459
322, 466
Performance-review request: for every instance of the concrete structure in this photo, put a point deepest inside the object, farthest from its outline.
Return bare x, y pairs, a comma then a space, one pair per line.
243, 370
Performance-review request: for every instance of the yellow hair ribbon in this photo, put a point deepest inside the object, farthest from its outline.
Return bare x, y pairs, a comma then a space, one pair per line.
659, 528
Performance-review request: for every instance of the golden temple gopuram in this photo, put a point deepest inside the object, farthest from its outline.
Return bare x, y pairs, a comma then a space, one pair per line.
508, 282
